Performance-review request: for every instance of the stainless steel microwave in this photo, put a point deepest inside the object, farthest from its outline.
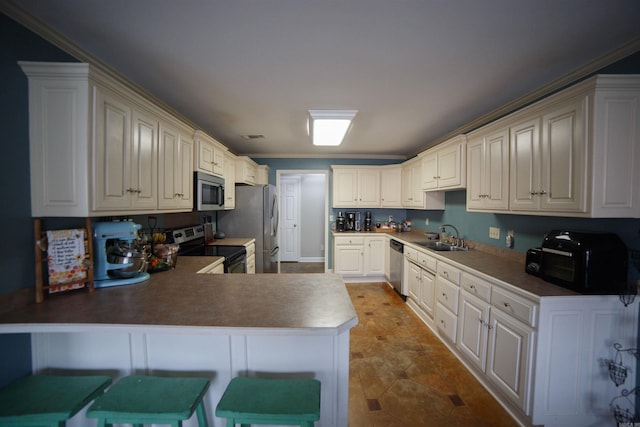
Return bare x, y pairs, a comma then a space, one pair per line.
209, 192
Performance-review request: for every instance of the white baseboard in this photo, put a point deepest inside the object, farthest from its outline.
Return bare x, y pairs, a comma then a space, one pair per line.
311, 259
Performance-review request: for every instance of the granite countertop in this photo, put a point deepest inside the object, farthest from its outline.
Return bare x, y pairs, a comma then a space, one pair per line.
508, 269
183, 298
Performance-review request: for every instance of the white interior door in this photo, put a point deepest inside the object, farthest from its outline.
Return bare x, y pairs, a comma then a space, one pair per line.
290, 219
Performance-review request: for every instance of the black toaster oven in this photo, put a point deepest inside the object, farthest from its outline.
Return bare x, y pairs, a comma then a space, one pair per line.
584, 262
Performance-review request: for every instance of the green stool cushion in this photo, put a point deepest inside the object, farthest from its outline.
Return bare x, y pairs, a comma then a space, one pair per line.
140, 399
270, 401
48, 399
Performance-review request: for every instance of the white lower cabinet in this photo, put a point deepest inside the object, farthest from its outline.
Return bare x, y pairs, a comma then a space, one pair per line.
473, 329
510, 348
359, 255
545, 359
420, 276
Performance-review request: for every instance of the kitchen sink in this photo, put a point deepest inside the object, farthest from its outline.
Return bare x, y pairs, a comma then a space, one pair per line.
440, 246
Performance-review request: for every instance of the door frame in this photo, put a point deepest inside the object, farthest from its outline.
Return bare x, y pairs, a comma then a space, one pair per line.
279, 173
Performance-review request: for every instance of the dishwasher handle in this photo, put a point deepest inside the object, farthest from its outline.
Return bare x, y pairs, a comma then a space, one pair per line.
396, 246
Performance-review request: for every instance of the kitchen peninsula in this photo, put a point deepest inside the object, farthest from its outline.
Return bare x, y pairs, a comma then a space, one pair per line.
220, 326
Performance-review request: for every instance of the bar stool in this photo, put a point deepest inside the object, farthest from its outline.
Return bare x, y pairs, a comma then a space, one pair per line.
293, 402
48, 400
138, 400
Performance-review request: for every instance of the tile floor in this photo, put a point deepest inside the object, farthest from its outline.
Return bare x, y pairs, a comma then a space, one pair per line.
402, 375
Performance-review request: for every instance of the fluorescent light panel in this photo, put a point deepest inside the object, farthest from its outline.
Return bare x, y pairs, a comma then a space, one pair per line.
329, 127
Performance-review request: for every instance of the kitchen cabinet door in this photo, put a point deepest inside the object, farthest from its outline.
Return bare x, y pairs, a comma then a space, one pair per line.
548, 160
473, 329
175, 169
451, 168
374, 255
444, 167
488, 171
356, 187
229, 181
210, 156
509, 358
426, 296
368, 185
563, 178
246, 171
390, 187
345, 188
112, 148
144, 161
349, 260
430, 171
413, 280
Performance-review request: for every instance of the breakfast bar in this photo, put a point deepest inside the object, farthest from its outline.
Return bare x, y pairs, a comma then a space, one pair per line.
220, 326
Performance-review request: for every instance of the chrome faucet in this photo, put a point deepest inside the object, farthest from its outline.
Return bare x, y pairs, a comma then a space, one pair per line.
457, 241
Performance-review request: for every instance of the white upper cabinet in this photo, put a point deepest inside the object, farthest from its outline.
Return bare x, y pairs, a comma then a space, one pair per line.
548, 160
444, 166
175, 168
615, 173
229, 181
390, 186
246, 171
356, 186
413, 196
125, 150
488, 170
99, 148
210, 154
575, 153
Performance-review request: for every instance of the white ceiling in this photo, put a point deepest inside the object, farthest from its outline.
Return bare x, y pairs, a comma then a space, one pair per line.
417, 70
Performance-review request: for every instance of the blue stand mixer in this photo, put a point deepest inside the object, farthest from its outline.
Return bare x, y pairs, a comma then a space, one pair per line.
117, 261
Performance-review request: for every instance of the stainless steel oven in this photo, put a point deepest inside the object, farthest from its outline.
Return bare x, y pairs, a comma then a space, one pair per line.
191, 240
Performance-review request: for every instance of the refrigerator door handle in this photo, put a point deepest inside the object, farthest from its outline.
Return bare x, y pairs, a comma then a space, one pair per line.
275, 218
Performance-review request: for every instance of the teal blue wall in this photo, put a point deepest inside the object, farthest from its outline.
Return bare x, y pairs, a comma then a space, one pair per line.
16, 247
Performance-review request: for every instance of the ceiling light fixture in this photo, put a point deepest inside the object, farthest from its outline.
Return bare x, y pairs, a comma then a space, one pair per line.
328, 127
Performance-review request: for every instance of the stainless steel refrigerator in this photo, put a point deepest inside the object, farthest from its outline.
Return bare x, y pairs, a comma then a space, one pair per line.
255, 215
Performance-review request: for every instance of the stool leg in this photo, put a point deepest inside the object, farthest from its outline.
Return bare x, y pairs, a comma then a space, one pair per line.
202, 416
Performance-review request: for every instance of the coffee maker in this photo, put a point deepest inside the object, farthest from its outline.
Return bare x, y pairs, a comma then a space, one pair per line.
367, 221
340, 222
118, 260
353, 221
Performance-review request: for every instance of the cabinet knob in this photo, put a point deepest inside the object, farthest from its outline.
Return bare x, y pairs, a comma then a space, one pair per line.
506, 304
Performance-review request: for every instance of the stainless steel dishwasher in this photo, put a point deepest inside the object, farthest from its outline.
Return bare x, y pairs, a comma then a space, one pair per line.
396, 263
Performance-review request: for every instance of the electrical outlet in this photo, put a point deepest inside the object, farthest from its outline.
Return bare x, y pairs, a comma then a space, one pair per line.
494, 233
426, 221
509, 239
330, 217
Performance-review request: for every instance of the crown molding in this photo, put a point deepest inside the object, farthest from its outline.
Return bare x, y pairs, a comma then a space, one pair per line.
580, 73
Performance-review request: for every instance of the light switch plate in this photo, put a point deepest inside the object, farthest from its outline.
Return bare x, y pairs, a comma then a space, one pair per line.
494, 233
